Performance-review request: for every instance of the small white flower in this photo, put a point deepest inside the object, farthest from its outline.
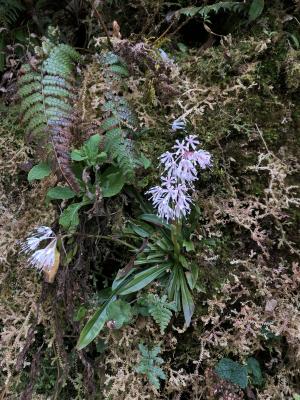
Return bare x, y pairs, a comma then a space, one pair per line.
165, 57
192, 141
167, 158
172, 199
180, 147
44, 258
203, 158
178, 124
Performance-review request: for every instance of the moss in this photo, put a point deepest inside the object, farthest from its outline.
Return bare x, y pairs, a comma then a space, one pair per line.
292, 70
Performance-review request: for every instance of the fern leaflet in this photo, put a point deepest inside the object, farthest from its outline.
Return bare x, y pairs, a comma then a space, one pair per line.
160, 309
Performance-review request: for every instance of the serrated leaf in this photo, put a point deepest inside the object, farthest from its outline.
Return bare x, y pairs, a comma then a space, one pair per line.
69, 218
189, 11
120, 312
119, 70
39, 171
60, 193
256, 9
232, 372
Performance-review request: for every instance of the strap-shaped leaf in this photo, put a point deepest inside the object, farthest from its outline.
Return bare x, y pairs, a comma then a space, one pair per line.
142, 279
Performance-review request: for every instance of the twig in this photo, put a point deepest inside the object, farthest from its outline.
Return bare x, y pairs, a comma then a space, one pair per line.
99, 16
104, 237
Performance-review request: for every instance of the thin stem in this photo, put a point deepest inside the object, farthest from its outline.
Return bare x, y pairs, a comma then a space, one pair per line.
175, 235
104, 237
102, 23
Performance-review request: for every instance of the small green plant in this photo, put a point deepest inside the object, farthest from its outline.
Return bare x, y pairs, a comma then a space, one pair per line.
159, 308
254, 372
253, 12
166, 254
233, 372
10, 10
239, 374
149, 365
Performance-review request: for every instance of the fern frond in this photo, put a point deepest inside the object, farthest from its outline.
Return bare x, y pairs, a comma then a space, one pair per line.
109, 123
119, 149
160, 309
30, 88
234, 6
47, 95
9, 12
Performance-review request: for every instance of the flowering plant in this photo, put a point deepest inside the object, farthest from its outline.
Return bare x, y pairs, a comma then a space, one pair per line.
43, 258
166, 245
172, 198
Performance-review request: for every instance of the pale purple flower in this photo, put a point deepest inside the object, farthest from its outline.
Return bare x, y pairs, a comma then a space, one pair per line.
44, 258
186, 170
203, 158
172, 199
165, 57
178, 124
180, 147
192, 141
168, 181
167, 158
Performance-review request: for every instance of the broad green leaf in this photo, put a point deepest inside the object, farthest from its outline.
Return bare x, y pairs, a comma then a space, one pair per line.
94, 326
140, 231
154, 219
101, 157
173, 285
254, 371
145, 162
60, 193
77, 155
69, 218
182, 47
157, 255
232, 372
80, 313
148, 261
39, 171
188, 245
192, 275
121, 278
256, 8
112, 182
183, 261
186, 298
91, 148
119, 70
120, 312
189, 11
142, 279
164, 244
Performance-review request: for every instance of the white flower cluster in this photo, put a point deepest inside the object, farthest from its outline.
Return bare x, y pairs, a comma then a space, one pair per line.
41, 259
173, 199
